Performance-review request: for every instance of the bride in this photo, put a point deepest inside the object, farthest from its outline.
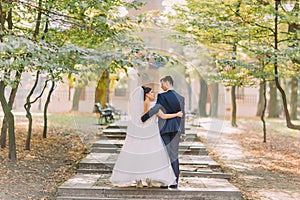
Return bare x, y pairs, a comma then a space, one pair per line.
143, 158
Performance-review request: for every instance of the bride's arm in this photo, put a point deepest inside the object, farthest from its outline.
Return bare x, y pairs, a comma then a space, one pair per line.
162, 115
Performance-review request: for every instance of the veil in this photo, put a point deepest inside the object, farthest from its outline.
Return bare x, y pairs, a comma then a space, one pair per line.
136, 106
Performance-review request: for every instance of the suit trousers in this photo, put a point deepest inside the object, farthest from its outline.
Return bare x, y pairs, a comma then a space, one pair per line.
171, 141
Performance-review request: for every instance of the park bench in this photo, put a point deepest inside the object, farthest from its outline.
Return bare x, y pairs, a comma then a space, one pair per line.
116, 113
105, 115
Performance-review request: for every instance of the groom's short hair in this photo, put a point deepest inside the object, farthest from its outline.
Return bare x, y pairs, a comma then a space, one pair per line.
168, 79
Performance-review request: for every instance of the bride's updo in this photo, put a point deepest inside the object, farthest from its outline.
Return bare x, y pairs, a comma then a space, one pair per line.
146, 91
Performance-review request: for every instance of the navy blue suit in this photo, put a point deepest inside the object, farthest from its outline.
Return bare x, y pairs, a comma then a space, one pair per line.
170, 129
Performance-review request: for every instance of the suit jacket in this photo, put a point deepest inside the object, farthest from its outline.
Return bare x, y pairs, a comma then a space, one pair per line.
169, 102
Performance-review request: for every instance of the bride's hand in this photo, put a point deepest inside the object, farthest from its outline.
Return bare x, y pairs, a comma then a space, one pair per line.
179, 114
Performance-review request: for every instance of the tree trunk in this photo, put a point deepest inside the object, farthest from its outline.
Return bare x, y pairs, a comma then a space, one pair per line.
273, 103
12, 153
18, 76
189, 90
3, 132
11, 100
294, 98
2, 18
76, 98
263, 108
203, 98
38, 21
234, 109
214, 102
260, 100
27, 107
284, 100
283, 96
46, 109
9, 19
101, 89
233, 88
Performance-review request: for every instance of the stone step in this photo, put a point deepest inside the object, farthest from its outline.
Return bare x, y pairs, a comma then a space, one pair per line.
114, 131
122, 131
187, 138
84, 198
112, 136
119, 144
198, 161
201, 166
93, 198
108, 159
183, 173
93, 171
193, 151
117, 126
105, 150
99, 168
83, 186
123, 125
204, 174
108, 166
108, 146
121, 136
108, 143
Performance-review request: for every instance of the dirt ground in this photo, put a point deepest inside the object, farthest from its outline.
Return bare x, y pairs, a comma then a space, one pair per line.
266, 171
37, 173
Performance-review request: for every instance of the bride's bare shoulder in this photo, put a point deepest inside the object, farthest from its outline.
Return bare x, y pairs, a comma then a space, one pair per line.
146, 107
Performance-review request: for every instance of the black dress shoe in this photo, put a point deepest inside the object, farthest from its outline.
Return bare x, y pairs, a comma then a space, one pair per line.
173, 186
164, 187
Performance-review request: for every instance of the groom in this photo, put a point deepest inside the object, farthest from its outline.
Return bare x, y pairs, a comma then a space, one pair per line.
170, 129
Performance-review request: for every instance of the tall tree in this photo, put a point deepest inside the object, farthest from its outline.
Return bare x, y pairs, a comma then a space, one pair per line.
294, 97
101, 89
202, 97
255, 27
273, 102
12, 153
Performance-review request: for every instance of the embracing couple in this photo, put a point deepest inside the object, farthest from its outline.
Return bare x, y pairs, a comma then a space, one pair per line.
149, 155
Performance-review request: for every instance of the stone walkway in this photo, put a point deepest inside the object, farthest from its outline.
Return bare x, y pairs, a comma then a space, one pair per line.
201, 177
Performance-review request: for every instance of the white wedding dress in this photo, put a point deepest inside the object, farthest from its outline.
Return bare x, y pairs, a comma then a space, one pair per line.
143, 155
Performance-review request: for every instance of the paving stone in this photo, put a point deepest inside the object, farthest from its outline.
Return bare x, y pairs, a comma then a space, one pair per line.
97, 186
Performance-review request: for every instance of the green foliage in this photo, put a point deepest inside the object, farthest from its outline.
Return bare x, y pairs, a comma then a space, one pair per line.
91, 34
241, 34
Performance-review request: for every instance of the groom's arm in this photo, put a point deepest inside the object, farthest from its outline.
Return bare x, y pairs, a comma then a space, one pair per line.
154, 110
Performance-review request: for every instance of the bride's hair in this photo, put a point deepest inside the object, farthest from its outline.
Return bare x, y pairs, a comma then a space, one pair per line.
146, 91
